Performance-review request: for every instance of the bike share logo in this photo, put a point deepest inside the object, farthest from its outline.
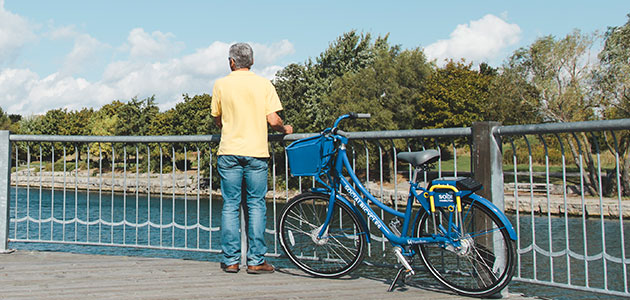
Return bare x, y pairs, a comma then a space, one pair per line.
445, 197
364, 207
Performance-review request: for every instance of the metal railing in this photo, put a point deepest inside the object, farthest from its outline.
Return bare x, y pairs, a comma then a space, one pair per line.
162, 192
571, 221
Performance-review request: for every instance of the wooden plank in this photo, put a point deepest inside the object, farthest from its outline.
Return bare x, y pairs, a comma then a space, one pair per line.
59, 275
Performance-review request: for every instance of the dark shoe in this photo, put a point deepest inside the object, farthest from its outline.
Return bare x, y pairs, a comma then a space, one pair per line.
231, 268
263, 268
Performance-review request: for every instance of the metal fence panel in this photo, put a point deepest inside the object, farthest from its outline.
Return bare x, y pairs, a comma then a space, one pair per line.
564, 184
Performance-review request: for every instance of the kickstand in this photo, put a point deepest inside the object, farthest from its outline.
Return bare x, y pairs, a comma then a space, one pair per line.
399, 276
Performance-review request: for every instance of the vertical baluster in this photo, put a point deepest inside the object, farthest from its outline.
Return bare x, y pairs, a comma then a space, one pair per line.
148, 196
584, 212
531, 195
198, 195
41, 171
63, 225
454, 159
367, 181
437, 146
273, 175
173, 202
185, 197
210, 199
549, 235
395, 159
17, 183
52, 194
381, 192
624, 265
87, 231
137, 190
517, 209
601, 210
76, 192
111, 229
161, 197
100, 193
566, 213
286, 175
124, 194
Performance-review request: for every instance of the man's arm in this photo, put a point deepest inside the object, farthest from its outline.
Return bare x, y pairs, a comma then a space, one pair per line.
217, 121
276, 124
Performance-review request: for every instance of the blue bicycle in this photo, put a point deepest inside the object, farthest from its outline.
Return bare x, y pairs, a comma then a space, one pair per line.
464, 241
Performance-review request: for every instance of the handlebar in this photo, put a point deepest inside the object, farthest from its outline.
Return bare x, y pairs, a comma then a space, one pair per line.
352, 115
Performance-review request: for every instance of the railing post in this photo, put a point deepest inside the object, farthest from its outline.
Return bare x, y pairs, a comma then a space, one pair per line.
488, 162
5, 184
488, 169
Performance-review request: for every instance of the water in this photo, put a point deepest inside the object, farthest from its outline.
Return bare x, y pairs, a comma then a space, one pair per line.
167, 225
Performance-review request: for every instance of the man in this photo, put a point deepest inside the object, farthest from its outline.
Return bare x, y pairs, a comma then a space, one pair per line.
242, 105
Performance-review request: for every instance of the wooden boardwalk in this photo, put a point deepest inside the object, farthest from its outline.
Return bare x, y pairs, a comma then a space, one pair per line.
59, 275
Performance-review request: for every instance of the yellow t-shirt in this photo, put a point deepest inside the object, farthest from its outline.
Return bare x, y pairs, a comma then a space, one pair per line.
243, 100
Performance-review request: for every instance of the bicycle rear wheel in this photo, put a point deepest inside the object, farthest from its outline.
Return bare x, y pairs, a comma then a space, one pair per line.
483, 265
340, 250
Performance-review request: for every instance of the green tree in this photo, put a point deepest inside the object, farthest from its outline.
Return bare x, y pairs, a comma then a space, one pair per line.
511, 99
5, 121
454, 97
103, 123
389, 89
303, 87
560, 70
612, 83
135, 116
192, 116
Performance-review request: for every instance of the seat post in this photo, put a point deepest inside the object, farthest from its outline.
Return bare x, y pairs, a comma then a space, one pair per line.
414, 179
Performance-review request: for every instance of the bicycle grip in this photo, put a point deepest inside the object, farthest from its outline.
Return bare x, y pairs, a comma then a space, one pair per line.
354, 115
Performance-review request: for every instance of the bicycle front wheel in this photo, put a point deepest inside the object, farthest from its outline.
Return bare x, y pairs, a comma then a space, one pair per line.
482, 264
339, 251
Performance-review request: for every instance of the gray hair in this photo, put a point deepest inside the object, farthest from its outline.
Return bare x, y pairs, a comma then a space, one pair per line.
242, 54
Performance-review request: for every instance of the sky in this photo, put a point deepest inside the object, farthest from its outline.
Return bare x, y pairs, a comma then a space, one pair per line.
75, 53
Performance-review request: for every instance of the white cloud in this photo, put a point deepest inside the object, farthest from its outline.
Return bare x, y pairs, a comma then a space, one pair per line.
150, 64
15, 31
156, 45
83, 54
25, 92
265, 55
479, 41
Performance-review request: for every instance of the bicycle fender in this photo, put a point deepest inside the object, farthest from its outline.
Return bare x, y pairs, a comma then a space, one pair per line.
354, 209
494, 209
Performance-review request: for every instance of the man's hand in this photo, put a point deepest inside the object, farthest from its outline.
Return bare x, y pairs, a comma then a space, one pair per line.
217, 121
276, 124
288, 129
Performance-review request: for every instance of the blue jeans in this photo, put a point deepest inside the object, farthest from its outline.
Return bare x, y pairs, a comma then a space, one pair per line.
234, 171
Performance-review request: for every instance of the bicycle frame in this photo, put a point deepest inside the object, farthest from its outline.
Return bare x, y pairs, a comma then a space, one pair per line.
338, 180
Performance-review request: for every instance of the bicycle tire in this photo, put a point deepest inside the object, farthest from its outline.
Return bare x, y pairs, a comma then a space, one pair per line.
475, 269
334, 255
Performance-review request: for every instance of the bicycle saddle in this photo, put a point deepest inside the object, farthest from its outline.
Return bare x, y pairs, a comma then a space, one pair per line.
419, 158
